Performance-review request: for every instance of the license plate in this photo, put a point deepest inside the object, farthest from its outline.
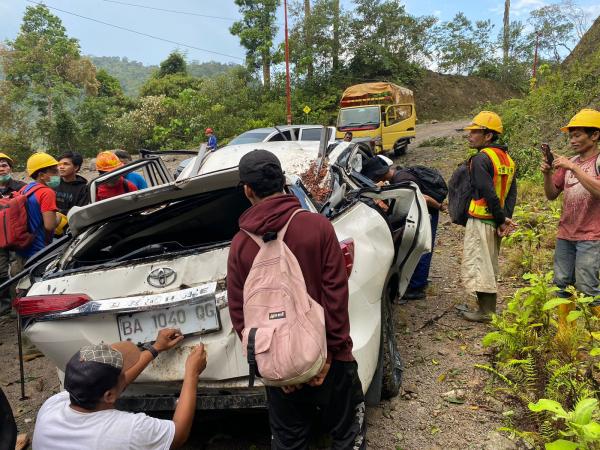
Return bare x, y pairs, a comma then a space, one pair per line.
196, 318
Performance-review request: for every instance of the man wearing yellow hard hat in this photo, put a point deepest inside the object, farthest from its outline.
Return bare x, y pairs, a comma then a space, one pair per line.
494, 194
8, 185
42, 212
577, 253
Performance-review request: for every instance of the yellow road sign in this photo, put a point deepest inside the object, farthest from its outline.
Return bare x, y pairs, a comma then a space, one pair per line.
306, 109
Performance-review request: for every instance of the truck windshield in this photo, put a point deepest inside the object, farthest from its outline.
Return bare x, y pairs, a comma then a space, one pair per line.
357, 117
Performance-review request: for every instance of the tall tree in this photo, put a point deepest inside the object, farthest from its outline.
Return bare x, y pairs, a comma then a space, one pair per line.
175, 63
257, 31
506, 34
386, 40
556, 31
45, 71
325, 44
308, 38
462, 46
335, 50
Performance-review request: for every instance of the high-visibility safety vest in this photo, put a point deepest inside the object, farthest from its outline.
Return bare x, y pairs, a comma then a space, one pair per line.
504, 172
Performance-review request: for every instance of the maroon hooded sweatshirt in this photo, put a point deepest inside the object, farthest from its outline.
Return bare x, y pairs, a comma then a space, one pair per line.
312, 239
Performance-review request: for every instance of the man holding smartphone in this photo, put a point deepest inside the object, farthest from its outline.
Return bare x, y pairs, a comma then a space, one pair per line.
577, 253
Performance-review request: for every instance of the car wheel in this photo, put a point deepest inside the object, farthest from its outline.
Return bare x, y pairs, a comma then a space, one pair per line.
400, 148
387, 379
392, 366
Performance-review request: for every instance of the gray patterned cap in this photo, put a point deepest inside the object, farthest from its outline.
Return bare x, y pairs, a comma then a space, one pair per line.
101, 353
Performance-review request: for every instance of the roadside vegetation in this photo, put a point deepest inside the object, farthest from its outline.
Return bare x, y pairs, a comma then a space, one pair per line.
547, 349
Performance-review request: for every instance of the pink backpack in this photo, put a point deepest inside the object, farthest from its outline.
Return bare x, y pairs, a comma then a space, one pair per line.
284, 335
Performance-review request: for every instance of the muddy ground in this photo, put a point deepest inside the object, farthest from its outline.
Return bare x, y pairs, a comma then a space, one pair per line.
444, 402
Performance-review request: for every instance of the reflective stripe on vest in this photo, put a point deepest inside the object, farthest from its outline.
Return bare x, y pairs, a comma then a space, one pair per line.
504, 172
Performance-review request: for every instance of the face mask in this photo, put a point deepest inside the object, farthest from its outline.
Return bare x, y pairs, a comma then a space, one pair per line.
54, 182
4, 179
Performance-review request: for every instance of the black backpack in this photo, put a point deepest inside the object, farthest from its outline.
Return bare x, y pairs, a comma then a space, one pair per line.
460, 194
431, 182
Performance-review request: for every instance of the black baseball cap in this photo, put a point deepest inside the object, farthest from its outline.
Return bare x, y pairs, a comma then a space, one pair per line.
95, 369
258, 166
375, 168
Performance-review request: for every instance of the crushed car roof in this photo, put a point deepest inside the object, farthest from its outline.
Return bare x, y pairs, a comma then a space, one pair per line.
219, 171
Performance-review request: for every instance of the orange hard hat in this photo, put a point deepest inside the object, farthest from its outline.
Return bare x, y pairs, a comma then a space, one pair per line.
208, 130
107, 161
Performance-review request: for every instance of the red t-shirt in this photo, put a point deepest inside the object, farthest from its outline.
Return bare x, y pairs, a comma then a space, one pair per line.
105, 191
580, 218
46, 198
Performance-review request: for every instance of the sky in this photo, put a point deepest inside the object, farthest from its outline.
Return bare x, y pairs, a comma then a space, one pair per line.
205, 34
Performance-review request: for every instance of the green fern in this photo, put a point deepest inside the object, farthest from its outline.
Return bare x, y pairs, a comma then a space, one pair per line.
496, 373
559, 382
548, 430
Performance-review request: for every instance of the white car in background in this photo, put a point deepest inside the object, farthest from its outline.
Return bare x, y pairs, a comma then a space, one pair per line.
283, 133
157, 258
303, 133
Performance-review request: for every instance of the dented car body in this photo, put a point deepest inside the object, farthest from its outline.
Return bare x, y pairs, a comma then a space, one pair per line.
157, 258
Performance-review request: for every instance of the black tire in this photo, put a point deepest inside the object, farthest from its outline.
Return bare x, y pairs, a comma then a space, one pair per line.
387, 379
400, 148
392, 366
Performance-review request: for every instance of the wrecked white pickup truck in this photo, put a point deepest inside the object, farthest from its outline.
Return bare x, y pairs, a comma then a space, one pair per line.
157, 258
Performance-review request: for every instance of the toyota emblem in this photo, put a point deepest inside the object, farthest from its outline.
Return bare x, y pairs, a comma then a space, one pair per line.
162, 277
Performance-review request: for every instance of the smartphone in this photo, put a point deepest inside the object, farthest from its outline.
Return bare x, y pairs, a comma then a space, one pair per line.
548, 156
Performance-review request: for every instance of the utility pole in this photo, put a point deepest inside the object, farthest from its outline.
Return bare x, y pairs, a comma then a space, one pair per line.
288, 93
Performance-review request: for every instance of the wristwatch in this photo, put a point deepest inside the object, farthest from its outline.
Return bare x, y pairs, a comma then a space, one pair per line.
148, 346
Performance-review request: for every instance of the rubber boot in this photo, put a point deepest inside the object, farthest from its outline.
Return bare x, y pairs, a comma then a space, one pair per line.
486, 303
563, 312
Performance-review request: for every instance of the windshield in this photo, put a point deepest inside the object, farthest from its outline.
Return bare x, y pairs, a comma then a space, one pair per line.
350, 117
250, 137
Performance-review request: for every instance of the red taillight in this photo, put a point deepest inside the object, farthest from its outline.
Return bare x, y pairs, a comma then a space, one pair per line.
347, 246
39, 305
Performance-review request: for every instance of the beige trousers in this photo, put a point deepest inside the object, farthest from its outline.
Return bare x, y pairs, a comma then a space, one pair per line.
479, 268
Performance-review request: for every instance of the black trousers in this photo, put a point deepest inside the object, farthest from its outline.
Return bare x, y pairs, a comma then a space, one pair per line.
8, 427
338, 405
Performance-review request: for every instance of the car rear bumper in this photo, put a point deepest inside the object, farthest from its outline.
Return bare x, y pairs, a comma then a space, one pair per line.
207, 399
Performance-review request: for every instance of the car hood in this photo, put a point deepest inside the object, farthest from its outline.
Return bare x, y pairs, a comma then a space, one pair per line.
219, 171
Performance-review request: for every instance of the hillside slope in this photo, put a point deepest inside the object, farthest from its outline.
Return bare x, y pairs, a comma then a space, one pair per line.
444, 97
587, 46
133, 74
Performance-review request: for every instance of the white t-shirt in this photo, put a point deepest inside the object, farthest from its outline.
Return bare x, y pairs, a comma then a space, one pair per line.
60, 427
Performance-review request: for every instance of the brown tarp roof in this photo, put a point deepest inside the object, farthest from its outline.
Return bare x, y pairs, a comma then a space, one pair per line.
399, 94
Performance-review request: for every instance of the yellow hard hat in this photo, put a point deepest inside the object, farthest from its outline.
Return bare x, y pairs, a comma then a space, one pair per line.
39, 161
486, 120
586, 118
8, 158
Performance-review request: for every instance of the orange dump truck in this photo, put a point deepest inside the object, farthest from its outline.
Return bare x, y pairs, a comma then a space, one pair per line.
382, 111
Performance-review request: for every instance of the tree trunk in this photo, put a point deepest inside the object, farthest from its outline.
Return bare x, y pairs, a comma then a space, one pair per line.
266, 66
335, 48
308, 39
506, 34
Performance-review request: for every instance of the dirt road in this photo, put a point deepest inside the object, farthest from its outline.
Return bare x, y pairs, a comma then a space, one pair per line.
438, 348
